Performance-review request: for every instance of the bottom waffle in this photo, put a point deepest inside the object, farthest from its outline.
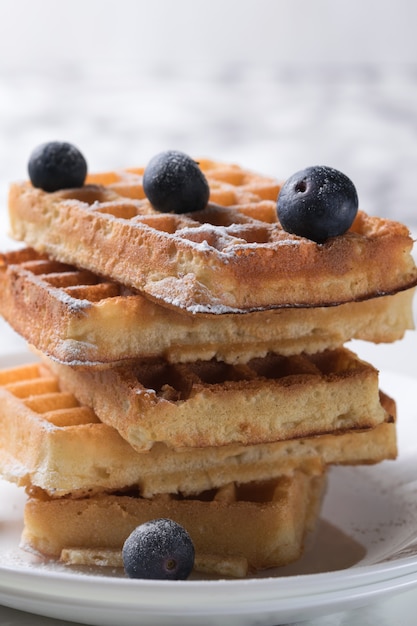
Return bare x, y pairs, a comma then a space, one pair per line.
234, 529
50, 442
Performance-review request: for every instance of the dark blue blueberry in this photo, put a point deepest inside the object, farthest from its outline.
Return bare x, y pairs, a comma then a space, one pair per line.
317, 203
159, 549
57, 165
174, 183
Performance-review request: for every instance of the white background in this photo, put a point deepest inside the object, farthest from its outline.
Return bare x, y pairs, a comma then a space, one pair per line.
191, 31
275, 85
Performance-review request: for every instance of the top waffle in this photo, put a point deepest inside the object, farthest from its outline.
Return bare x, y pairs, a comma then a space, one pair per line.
232, 257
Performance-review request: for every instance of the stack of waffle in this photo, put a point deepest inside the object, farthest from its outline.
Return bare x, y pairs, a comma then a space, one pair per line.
191, 366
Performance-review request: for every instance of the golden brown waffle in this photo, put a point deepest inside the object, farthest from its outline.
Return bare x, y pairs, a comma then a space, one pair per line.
231, 257
51, 443
209, 403
81, 318
252, 526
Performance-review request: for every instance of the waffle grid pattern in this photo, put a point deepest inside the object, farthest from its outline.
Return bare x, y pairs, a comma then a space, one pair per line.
231, 257
51, 444
86, 320
211, 403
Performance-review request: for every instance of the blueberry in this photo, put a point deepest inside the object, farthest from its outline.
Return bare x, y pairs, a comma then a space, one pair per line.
317, 203
57, 165
159, 549
174, 183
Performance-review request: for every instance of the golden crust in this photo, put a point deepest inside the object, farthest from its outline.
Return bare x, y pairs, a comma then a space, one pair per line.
79, 318
261, 524
207, 403
233, 256
51, 444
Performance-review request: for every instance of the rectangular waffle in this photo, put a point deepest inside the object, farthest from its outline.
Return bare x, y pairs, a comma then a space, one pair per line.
209, 403
77, 317
252, 526
231, 257
51, 443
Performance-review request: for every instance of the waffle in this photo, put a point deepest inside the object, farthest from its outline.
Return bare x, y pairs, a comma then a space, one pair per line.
252, 526
53, 445
79, 318
231, 257
208, 403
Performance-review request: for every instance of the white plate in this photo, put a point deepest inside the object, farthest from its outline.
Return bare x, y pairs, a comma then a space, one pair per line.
366, 546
